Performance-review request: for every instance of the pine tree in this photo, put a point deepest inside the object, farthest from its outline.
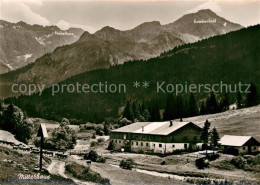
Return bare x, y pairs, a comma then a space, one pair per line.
252, 96
127, 113
155, 111
1, 105
169, 108
214, 137
9, 118
192, 106
239, 100
205, 134
213, 104
135, 109
146, 115
225, 103
179, 107
203, 109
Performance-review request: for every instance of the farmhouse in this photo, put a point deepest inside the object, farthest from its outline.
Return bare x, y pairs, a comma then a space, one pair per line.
239, 144
157, 137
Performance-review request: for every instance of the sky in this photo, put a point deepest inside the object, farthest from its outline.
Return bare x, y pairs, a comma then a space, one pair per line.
92, 15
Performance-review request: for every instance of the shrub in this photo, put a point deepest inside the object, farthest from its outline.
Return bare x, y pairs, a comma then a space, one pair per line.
238, 162
111, 145
93, 143
202, 163
100, 140
127, 164
101, 159
92, 155
254, 160
213, 157
163, 163
85, 173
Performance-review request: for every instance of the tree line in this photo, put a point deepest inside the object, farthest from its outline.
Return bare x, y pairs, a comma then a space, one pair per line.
180, 107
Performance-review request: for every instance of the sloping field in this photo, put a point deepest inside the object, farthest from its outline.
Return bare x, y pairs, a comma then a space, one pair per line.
244, 122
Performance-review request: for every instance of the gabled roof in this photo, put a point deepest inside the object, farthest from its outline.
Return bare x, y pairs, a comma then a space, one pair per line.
154, 128
229, 140
42, 131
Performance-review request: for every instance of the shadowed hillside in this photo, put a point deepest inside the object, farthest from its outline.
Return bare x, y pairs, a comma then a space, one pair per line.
230, 58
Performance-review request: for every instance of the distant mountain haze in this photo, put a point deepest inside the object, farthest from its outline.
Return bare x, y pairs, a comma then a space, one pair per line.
109, 46
21, 43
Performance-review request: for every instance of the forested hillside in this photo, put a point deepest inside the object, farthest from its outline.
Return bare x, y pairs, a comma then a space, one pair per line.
230, 58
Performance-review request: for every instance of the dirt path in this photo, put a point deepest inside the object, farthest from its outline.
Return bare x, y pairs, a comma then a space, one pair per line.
57, 167
119, 176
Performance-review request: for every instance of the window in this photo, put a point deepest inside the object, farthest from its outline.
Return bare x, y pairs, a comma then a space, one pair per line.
185, 146
173, 146
147, 144
115, 141
141, 143
254, 148
160, 145
136, 143
153, 145
244, 148
119, 141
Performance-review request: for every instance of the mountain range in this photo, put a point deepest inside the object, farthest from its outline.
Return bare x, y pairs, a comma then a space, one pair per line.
21, 43
108, 47
230, 59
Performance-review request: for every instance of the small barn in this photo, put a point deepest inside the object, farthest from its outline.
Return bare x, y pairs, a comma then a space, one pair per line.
157, 137
239, 144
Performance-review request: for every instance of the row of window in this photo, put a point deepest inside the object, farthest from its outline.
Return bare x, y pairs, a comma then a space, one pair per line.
148, 144
160, 145
244, 148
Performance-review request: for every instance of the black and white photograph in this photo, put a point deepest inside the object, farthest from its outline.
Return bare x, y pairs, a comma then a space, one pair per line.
130, 92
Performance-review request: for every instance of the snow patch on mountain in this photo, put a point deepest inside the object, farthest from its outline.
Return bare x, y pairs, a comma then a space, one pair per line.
27, 56
188, 38
40, 40
9, 66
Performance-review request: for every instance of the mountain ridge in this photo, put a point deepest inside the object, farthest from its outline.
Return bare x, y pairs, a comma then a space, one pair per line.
110, 46
231, 58
22, 43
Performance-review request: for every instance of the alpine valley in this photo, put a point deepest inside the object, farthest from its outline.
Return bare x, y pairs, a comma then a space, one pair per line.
21, 44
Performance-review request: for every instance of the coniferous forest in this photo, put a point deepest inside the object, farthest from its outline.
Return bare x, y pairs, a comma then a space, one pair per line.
229, 58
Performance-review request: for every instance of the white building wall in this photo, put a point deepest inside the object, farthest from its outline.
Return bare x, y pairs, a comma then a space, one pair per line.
157, 147
119, 143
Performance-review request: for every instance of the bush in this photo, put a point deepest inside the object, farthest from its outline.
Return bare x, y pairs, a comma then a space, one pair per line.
202, 163
100, 140
127, 164
111, 145
238, 162
163, 163
92, 155
101, 159
93, 143
213, 157
85, 173
254, 160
